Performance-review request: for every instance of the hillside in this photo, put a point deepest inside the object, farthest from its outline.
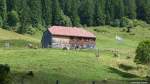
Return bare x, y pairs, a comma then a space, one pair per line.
8, 35
106, 36
16, 40
76, 66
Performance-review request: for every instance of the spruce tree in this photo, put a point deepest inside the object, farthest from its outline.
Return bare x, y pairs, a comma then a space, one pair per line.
10, 5
47, 12
56, 13
36, 12
109, 11
147, 14
17, 5
119, 8
67, 7
3, 11
75, 16
87, 12
99, 16
130, 8
25, 19
63, 4
71, 10
140, 8
143, 9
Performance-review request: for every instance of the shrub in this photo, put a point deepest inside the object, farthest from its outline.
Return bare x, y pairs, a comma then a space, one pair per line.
143, 52
132, 34
39, 27
139, 23
100, 30
115, 23
124, 22
4, 72
126, 67
30, 30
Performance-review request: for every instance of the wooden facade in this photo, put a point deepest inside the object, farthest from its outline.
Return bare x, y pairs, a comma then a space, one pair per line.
72, 42
66, 37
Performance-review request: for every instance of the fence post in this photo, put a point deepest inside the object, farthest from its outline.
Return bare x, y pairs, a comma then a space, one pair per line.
57, 82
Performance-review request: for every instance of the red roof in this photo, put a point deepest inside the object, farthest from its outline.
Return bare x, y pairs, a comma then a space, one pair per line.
70, 31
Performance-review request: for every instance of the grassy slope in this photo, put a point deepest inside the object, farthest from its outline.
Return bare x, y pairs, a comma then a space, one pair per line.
73, 66
7, 35
16, 40
107, 39
56, 64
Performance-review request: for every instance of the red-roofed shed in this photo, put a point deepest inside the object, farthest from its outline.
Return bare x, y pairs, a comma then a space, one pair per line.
69, 37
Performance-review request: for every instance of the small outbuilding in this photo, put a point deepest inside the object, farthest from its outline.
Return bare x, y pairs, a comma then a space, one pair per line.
68, 37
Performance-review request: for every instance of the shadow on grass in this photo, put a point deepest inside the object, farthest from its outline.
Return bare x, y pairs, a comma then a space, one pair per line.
50, 78
122, 73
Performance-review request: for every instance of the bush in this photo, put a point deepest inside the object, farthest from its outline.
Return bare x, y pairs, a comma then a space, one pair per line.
139, 23
40, 28
30, 30
4, 72
126, 67
143, 52
116, 23
147, 13
124, 22
100, 30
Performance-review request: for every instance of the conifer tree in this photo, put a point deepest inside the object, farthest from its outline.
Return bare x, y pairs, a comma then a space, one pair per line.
147, 13
58, 15
25, 19
36, 12
47, 12
119, 9
11, 5
99, 16
71, 10
86, 12
130, 8
3, 11
109, 11
75, 16
39, 13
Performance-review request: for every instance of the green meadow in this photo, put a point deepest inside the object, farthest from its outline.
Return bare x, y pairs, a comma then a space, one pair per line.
74, 66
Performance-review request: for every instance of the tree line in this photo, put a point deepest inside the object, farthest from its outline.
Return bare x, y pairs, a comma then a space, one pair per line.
24, 16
